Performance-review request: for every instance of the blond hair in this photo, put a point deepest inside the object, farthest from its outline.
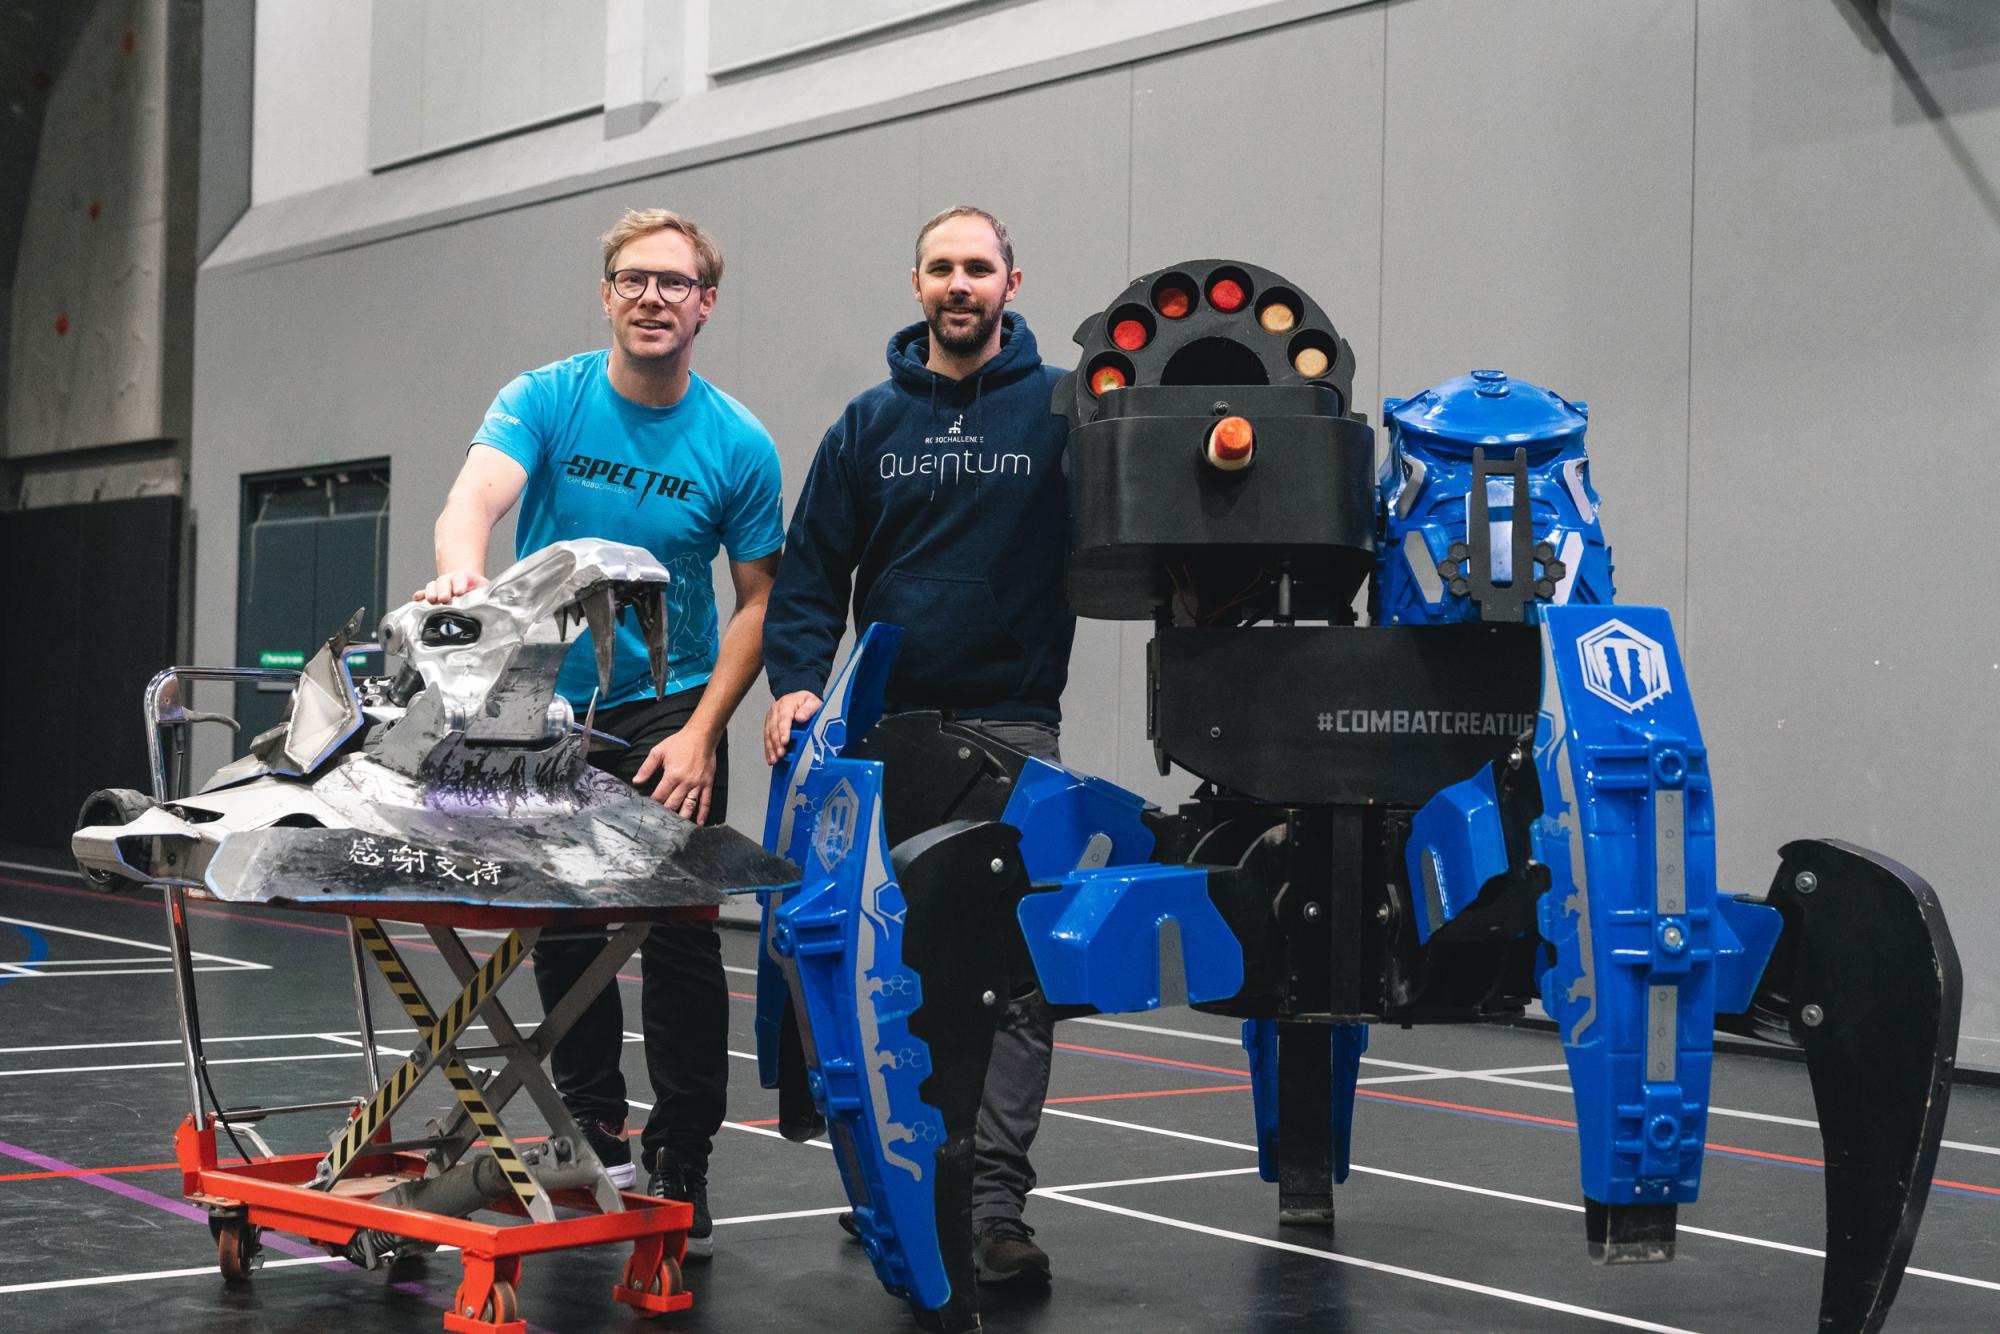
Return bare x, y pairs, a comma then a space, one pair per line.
637, 222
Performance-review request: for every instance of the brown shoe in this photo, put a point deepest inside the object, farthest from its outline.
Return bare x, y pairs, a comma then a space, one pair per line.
1003, 1252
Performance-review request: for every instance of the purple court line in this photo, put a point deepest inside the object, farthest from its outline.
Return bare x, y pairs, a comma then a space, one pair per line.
181, 1209
141, 1195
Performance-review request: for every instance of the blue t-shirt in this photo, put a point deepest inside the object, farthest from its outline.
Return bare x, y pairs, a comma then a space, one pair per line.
680, 481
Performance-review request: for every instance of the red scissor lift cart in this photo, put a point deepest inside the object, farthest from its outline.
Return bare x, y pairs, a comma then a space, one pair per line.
371, 1194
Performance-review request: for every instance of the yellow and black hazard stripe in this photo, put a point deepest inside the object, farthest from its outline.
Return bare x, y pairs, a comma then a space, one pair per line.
437, 1036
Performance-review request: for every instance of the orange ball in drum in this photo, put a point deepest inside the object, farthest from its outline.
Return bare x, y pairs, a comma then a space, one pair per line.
1129, 334
1230, 443
1278, 317
1227, 295
1310, 362
1106, 378
1172, 302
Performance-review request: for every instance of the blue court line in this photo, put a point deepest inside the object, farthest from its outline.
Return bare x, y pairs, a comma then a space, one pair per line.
38, 949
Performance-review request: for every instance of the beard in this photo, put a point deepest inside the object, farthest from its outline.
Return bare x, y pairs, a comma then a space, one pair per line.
973, 338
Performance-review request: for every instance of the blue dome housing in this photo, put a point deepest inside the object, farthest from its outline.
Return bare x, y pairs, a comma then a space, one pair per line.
1488, 408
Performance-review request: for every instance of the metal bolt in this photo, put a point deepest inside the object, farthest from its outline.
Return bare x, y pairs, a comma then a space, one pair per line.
1672, 937
1312, 912
965, 752
1382, 913
1805, 882
1813, 1016
1215, 731
1514, 758
987, 998
997, 865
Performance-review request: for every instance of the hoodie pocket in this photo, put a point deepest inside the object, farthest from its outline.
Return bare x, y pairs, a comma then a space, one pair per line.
957, 649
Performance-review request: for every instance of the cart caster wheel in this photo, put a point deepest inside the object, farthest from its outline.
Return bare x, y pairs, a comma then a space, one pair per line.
501, 1306
665, 1283
238, 1250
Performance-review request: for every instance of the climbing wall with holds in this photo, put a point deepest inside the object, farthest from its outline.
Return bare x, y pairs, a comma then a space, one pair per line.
89, 355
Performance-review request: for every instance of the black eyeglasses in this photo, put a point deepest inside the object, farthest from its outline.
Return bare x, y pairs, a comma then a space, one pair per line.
674, 287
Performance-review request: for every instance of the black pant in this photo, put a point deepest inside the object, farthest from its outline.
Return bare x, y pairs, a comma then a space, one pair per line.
683, 997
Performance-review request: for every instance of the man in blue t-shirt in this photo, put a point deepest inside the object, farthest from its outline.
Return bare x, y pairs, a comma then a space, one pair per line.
630, 445
936, 502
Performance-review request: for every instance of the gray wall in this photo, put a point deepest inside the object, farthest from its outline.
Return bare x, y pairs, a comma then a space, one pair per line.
1759, 240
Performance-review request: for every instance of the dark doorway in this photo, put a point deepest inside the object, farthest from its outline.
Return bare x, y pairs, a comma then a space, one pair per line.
315, 547
89, 596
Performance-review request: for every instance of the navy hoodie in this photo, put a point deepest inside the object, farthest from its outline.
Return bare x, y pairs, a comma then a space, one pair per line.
940, 504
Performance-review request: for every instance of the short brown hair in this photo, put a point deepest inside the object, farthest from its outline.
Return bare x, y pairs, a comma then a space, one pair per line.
637, 222
968, 211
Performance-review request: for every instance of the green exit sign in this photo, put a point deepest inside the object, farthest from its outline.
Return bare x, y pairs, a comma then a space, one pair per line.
273, 658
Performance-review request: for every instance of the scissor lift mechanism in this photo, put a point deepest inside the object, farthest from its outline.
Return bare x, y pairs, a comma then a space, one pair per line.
332, 1197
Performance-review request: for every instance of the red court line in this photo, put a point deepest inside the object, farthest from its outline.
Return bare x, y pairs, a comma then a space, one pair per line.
1151, 1093
101, 1171
168, 1167
1467, 1107
1710, 1146
1154, 1060
1061, 1046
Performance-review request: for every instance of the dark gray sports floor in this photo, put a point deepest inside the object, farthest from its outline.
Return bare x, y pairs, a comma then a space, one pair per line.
1461, 1213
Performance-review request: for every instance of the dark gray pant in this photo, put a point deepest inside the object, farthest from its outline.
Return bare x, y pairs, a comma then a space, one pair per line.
1017, 1076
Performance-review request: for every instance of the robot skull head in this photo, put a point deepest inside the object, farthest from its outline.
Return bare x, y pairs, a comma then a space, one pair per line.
462, 651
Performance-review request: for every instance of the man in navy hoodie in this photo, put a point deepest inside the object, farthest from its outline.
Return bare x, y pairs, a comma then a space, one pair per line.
937, 503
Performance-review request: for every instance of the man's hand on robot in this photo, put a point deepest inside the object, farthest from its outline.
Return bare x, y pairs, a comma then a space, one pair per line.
786, 712
685, 763
446, 587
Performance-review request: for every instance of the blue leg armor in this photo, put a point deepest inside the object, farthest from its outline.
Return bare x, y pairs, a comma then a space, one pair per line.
1385, 837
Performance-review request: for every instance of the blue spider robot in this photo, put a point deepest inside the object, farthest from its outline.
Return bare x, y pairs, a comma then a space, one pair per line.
1496, 792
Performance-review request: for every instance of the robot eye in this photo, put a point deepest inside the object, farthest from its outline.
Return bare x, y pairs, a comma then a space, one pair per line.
448, 629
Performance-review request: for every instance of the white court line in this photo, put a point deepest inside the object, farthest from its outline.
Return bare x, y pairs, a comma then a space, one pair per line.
1689, 1229
205, 1271
345, 1039
1499, 1077
135, 944
176, 1065
1148, 1181
208, 1271
1488, 1075
44, 870
1057, 1192
1161, 1032
31, 970
1499, 1195
206, 1041
78, 963
827, 1212
1397, 1271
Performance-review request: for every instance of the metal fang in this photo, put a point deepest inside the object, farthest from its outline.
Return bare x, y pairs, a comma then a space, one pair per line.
598, 613
651, 606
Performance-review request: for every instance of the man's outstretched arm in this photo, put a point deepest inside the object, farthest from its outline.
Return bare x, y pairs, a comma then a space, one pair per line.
487, 487
809, 603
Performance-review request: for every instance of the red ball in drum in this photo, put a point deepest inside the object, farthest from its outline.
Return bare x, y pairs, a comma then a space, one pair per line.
1172, 302
1106, 378
1129, 334
1227, 296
